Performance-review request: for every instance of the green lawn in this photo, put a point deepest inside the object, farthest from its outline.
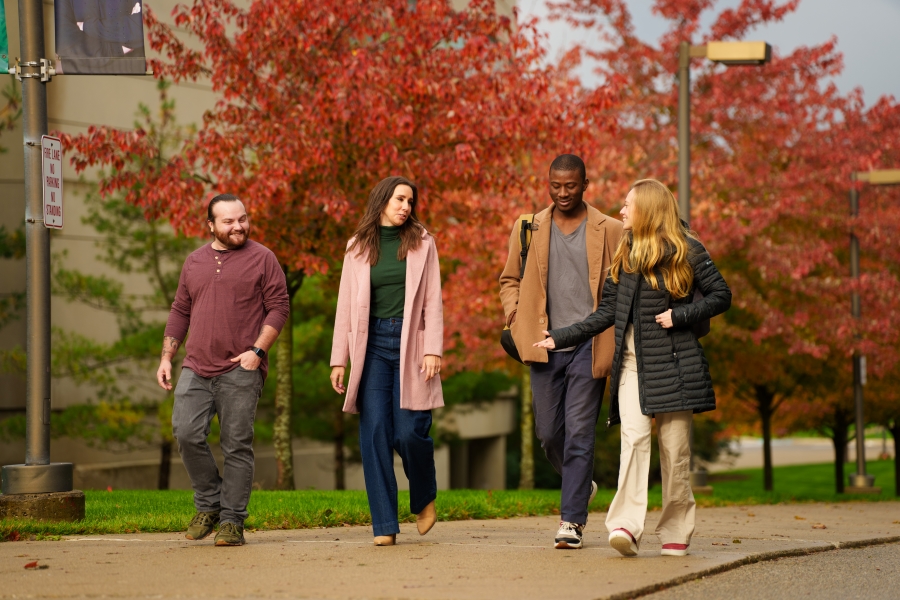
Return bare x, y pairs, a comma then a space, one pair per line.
799, 483
129, 511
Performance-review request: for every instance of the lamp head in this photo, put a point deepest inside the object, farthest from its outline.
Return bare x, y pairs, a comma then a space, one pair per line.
739, 53
880, 176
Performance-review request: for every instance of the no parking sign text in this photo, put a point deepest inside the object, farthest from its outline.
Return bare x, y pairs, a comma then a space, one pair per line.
51, 175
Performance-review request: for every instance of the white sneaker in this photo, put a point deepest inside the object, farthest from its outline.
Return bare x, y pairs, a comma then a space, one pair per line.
674, 549
569, 536
623, 541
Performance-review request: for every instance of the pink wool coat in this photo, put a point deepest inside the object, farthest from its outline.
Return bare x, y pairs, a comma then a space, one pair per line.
422, 333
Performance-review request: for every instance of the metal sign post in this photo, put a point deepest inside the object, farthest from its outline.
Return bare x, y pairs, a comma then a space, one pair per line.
37, 489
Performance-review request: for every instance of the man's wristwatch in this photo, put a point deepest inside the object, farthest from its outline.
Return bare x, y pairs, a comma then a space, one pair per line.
258, 351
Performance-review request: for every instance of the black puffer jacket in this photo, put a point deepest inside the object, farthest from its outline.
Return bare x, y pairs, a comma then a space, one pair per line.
673, 374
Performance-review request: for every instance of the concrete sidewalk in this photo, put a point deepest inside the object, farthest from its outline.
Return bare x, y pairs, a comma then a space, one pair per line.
457, 560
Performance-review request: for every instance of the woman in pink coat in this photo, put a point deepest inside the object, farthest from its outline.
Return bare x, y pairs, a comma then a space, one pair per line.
390, 325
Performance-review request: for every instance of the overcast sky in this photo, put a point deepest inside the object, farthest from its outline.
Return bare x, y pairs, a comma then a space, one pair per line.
868, 33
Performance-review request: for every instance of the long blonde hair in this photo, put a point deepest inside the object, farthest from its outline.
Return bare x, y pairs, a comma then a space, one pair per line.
657, 240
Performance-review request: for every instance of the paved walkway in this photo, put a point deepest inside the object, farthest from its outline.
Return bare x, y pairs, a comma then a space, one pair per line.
459, 560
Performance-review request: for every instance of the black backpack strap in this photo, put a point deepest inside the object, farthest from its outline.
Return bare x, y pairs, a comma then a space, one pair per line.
523, 244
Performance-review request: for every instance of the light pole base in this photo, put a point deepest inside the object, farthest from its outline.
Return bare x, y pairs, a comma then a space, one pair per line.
699, 483
867, 489
862, 484
856, 480
36, 479
55, 506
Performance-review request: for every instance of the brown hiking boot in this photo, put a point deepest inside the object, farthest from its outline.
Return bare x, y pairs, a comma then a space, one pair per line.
230, 534
202, 525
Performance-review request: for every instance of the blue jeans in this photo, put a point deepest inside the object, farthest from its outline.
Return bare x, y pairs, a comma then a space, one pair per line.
385, 427
566, 400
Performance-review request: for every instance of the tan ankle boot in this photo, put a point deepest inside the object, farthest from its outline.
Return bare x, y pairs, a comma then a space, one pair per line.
385, 540
426, 519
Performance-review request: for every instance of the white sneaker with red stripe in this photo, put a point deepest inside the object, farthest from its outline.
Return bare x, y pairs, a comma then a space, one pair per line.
674, 549
624, 542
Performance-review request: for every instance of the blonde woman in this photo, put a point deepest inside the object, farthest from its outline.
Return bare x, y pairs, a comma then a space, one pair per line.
659, 369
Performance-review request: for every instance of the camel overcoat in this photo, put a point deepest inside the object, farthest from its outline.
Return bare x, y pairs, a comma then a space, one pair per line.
527, 297
422, 332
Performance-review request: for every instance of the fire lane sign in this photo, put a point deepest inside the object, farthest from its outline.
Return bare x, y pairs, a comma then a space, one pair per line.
51, 175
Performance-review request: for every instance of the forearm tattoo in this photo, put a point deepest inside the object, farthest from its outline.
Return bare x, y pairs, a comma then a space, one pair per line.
170, 347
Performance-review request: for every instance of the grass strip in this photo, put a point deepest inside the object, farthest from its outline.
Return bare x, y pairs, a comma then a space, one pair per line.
134, 511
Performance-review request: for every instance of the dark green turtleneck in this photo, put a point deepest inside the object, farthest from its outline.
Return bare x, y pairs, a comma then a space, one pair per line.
388, 277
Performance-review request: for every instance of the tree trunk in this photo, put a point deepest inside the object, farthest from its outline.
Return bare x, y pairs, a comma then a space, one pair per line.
284, 389
165, 465
526, 463
339, 466
284, 393
895, 432
764, 406
839, 433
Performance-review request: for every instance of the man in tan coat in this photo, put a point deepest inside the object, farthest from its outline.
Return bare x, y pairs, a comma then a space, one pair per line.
572, 245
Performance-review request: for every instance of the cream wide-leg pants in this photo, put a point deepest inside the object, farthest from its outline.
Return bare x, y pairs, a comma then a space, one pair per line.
629, 507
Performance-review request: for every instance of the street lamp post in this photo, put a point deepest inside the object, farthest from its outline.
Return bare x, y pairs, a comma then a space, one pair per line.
860, 482
728, 53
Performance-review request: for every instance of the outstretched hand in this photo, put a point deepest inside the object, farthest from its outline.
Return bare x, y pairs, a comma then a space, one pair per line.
665, 319
548, 343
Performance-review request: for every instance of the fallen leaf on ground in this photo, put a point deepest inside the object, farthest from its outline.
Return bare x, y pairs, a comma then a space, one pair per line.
800, 518
720, 543
819, 526
735, 541
31, 565
750, 514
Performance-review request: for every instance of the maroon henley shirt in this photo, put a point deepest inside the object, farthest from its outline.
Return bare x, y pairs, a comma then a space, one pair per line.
224, 299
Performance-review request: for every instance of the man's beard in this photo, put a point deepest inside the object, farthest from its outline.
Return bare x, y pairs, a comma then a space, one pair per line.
225, 240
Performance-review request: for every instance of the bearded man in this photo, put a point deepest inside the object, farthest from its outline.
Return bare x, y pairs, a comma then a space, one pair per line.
232, 298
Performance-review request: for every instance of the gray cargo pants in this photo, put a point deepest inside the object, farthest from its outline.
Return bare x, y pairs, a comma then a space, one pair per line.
233, 397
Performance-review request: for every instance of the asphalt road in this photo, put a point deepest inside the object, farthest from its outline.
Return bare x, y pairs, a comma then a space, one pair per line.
870, 573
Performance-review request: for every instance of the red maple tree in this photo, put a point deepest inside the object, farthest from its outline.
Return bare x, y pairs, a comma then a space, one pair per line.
317, 102
773, 148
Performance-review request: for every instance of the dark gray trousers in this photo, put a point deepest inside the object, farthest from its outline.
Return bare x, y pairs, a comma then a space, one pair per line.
566, 400
233, 397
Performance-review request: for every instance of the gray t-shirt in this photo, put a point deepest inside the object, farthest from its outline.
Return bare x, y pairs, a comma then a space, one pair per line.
569, 298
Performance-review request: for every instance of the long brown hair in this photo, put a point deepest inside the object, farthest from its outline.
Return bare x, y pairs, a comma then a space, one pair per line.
367, 237
658, 239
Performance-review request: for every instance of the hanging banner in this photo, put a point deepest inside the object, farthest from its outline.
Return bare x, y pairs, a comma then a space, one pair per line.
99, 37
4, 41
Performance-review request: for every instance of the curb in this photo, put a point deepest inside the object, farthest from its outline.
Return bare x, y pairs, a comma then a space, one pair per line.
749, 560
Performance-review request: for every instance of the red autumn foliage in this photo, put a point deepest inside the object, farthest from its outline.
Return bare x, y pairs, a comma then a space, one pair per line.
773, 149
319, 101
